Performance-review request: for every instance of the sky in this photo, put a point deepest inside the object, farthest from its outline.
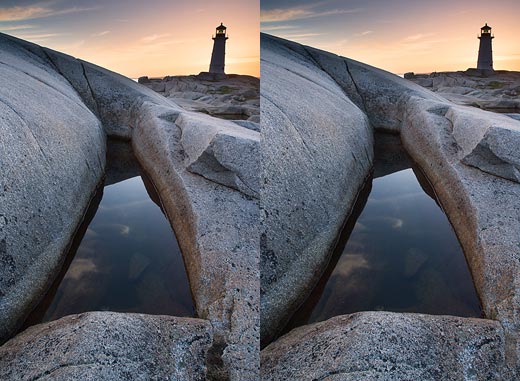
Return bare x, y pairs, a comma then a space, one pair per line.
135, 37
400, 36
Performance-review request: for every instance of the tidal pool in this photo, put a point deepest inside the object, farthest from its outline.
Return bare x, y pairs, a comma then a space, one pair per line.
126, 257
398, 252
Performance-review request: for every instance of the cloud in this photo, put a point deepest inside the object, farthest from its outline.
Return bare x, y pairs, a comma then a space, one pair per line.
301, 36
416, 37
19, 13
124, 230
290, 14
38, 37
81, 267
272, 28
365, 33
155, 37
101, 34
15, 27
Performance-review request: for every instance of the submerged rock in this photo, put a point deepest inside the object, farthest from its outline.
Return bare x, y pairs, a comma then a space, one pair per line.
138, 264
109, 346
413, 261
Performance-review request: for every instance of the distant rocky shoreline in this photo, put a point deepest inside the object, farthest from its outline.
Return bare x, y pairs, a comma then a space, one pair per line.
497, 91
231, 96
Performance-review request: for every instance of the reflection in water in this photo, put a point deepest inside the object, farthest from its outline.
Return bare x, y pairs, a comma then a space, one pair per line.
128, 259
401, 254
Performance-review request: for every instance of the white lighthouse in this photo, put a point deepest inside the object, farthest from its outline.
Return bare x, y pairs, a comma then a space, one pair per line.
219, 51
485, 51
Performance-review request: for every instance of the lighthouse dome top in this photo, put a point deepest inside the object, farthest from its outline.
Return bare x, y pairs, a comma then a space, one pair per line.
486, 27
222, 27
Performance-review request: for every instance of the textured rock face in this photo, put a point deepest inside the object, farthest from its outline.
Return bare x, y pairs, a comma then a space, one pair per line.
221, 151
112, 97
217, 229
52, 156
213, 214
388, 346
109, 346
469, 157
313, 165
483, 209
375, 91
488, 142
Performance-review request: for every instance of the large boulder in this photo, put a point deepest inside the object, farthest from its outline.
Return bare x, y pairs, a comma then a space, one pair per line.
316, 153
213, 212
216, 227
388, 346
109, 346
377, 92
482, 204
470, 157
52, 155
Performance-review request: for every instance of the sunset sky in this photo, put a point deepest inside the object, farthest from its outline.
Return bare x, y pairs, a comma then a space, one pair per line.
400, 35
135, 37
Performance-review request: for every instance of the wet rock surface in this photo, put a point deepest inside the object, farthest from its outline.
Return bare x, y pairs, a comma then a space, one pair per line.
109, 346
388, 346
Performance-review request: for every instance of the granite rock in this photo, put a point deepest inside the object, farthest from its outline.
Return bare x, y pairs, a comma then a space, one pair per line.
389, 346
109, 346
469, 157
216, 225
315, 154
230, 96
494, 91
217, 230
488, 141
52, 158
221, 151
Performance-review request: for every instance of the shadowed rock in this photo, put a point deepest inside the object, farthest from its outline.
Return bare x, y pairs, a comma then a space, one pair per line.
52, 157
316, 153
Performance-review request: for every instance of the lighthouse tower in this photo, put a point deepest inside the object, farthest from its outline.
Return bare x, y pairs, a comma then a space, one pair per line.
219, 51
485, 52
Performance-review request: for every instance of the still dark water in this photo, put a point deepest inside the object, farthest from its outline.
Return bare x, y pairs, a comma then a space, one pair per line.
128, 259
401, 254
